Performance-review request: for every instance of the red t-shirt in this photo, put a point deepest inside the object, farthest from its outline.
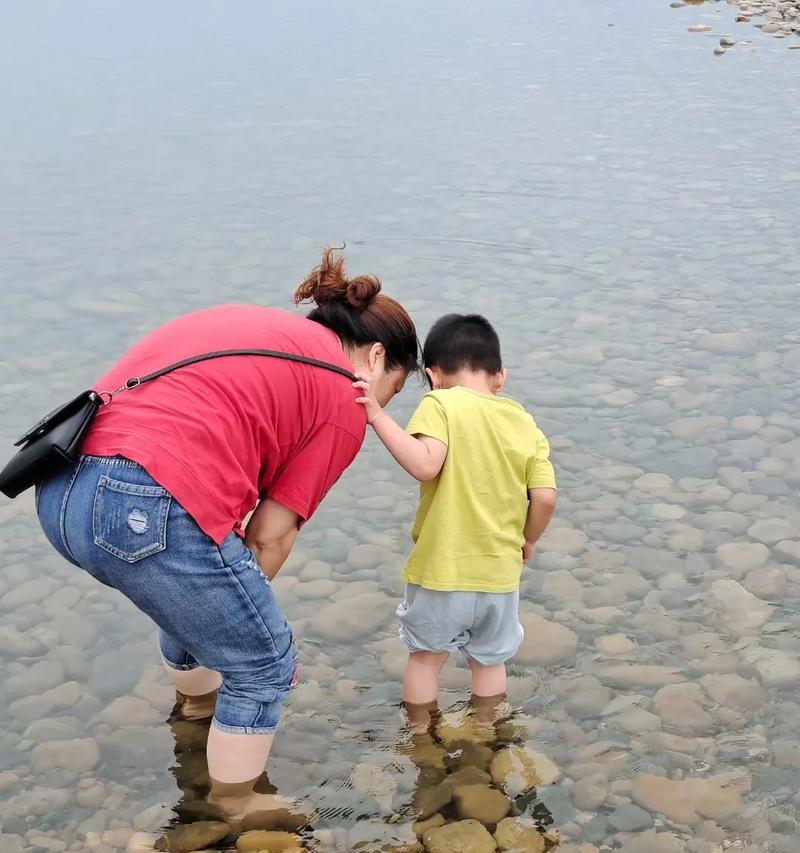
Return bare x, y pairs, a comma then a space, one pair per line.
222, 434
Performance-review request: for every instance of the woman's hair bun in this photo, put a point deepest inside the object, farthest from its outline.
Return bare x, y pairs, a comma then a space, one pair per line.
328, 283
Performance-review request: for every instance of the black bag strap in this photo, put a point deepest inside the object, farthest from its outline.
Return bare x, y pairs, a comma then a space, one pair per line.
135, 381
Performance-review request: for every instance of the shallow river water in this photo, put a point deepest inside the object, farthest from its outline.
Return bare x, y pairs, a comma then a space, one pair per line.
622, 203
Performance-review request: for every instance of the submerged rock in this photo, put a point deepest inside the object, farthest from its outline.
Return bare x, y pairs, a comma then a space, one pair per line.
514, 833
262, 841
467, 755
78, 755
428, 801
681, 707
516, 770
465, 836
590, 792
545, 642
420, 827
654, 842
770, 531
733, 691
455, 728
775, 667
688, 801
743, 557
423, 750
629, 676
482, 803
738, 611
193, 836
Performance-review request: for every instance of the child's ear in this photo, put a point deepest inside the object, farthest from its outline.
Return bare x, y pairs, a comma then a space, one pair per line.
500, 380
434, 379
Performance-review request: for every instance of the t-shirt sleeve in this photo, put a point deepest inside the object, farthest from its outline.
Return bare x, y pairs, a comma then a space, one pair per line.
429, 419
540, 469
307, 476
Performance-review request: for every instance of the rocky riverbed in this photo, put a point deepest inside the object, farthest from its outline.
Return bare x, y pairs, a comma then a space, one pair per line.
623, 207
777, 18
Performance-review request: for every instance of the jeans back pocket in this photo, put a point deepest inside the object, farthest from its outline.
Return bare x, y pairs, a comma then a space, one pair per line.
129, 520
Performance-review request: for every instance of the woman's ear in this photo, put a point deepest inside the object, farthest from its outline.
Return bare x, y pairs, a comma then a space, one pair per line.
376, 358
500, 380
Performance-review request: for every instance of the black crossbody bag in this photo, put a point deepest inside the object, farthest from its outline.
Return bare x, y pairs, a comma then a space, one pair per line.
56, 439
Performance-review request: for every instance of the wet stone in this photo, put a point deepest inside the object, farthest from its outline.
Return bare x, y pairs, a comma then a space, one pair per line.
481, 803
590, 792
738, 611
465, 836
37, 801
630, 676
652, 841
630, 818
257, 841
420, 827
742, 557
774, 667
153, 818
566, 540
454, 728
315, 589
516, 770
545, 642
30, 708
788, 551
769, 583
680, 706
466, 754
193, 836
689, 801
513, 833
614, 644
733, 691
772, 530
78, 756
35, 679
130, 711
353, 618
597, 830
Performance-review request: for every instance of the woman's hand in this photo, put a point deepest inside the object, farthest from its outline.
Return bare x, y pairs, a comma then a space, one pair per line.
367, 398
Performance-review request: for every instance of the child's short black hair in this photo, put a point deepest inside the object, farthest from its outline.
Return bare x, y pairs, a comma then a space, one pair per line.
462, 341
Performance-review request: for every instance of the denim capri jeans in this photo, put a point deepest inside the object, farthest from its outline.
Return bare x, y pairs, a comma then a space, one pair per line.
212, 604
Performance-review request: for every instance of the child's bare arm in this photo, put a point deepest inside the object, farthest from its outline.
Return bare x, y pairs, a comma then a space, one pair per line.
540, 510
422, 456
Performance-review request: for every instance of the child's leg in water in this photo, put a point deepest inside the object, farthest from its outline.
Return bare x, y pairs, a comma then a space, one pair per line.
421, 688
421, 679
488, 690
488, 681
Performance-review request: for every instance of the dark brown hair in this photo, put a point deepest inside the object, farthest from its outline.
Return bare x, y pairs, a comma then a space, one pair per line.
358, 313
459, 341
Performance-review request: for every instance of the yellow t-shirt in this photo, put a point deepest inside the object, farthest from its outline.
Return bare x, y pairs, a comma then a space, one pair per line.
468, 533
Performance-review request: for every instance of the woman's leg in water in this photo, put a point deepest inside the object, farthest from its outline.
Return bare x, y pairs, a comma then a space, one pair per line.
195, 686
211, 600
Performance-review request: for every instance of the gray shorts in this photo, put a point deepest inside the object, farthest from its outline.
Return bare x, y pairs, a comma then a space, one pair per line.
483, 625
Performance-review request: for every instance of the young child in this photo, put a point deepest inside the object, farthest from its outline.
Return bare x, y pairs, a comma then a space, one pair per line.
487, 494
